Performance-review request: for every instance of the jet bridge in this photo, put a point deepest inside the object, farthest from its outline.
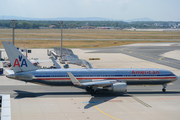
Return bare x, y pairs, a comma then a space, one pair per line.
70, 58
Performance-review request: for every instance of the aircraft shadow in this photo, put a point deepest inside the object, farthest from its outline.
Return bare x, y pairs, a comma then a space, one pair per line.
27, 94
102, 98
105, 97
96, 99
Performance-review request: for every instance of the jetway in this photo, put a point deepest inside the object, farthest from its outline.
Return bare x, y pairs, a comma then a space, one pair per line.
68, 57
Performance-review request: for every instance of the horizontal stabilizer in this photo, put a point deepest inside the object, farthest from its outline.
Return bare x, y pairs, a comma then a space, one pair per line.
10, 71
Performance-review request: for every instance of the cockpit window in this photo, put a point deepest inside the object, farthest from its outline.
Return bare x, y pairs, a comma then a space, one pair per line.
171, 74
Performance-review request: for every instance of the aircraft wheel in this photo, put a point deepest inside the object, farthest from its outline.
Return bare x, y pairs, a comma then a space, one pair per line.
88, 88
164, 90
97, 91
92, 91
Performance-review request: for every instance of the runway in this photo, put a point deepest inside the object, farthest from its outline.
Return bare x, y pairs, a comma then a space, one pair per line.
31, 101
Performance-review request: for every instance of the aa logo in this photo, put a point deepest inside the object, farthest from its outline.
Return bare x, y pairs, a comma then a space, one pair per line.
18, 61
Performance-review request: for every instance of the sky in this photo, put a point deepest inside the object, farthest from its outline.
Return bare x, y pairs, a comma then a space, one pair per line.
159, 10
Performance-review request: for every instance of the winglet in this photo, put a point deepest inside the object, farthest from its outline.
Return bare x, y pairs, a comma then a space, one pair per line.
74, 80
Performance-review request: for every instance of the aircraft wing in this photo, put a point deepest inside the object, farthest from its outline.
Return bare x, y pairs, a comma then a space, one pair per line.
100, 83
97, 83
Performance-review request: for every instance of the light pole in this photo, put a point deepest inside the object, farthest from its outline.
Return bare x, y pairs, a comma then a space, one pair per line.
13, 22
61, 22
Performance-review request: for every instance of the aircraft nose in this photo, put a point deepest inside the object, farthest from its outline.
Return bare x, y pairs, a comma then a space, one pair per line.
177, 77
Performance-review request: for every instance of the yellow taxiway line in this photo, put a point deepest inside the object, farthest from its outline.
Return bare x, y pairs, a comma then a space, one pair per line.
37, 51
104, 112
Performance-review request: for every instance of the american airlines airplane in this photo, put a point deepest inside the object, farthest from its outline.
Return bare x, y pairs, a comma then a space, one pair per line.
115, 80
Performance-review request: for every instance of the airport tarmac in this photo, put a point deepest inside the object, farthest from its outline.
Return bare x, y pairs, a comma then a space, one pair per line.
31, 101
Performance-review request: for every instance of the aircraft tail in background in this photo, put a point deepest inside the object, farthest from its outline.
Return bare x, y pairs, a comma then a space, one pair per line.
18, 61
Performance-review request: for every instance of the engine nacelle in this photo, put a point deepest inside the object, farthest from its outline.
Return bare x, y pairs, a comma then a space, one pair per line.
118, 87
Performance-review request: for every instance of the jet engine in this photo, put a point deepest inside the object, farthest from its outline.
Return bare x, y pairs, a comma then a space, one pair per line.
118, 87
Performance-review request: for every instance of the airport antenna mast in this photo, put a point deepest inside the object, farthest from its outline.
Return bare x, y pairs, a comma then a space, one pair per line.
61, 22
13, 23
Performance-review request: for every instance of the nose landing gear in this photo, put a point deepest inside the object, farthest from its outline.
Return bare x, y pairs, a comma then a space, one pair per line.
164, 88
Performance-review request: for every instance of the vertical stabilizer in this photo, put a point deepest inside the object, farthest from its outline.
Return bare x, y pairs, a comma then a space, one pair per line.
18, 61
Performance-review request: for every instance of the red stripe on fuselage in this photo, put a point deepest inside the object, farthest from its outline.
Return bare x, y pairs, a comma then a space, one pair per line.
108, 78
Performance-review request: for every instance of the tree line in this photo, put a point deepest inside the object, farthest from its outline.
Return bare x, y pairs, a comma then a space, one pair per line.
25, 24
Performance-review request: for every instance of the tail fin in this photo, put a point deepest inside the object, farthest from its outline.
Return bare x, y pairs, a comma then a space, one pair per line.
18, 61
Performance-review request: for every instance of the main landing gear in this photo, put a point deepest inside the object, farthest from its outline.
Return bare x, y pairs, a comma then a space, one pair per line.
164, 88
92, 89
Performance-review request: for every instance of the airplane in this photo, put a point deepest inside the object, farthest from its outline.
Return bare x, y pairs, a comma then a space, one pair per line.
115, 80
